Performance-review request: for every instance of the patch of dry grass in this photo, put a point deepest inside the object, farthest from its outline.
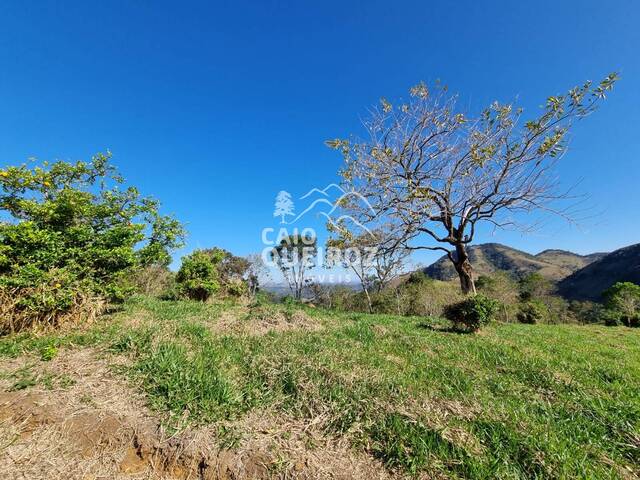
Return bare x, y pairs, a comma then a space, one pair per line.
14, 317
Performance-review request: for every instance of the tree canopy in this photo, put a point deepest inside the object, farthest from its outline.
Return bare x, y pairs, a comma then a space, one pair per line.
70, 230
432, 170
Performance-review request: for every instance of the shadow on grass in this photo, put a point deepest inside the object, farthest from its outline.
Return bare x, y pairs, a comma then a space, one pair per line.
443, 328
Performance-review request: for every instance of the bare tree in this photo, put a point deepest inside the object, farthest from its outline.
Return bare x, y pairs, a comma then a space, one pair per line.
295, 256
373, 256
256, 273
432, 171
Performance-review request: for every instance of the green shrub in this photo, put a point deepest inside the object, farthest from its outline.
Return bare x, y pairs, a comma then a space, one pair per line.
72, 240
236, 288
210, 271
611, 318
622, 302
534, 286
472, 313
197, 278
533, 311
587, 312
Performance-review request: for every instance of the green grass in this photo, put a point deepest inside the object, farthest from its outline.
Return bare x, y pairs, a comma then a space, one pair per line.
514, 401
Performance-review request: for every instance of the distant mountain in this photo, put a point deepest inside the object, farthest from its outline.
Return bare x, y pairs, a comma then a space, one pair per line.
563, 263
588, 283
491, 257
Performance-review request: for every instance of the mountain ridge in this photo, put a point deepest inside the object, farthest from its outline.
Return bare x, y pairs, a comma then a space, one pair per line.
588, 283
487, 258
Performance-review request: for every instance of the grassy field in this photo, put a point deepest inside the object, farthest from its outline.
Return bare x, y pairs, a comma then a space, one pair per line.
513, 401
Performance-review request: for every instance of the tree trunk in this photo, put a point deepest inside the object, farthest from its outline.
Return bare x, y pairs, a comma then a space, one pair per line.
464, 269
370, 305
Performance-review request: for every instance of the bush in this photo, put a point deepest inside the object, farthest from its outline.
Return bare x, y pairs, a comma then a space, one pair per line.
153, 280
586, 312
502, 287
197, 278
207, 272
72, 241
237, 288
472, 313
533, 311
534, 286
622, 302
611, 318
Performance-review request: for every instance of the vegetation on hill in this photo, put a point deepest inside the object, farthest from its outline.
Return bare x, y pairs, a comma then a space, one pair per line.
72, 240
489, 377
516, 401
433, 172
488, 258
622, 265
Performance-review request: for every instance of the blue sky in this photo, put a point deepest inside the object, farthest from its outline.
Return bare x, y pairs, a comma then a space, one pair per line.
215, 107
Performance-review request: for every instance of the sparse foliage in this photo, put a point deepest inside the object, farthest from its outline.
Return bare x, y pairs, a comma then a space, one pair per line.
256, 273
295, 256
372, 256
430, 169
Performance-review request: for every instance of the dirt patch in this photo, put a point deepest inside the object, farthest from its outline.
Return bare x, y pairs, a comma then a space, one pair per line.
300, 449
98, 427
262, 320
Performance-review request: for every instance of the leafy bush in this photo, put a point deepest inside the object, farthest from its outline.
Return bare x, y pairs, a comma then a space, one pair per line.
198, 276
472, 313
72, 240
533, 311
622, 302
534, 286
586, 312
611, 318
214, 270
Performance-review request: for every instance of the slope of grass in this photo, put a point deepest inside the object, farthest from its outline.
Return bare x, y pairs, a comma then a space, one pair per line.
514, 401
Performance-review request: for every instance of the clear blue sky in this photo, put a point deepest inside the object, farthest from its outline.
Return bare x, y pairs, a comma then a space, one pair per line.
215, 107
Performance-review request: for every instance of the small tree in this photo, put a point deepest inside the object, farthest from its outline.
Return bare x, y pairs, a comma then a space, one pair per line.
432, 170
372, 256
622, 301
294, 257
198, 277
231, 268
534, 287
213, 270
256, 272
73, 237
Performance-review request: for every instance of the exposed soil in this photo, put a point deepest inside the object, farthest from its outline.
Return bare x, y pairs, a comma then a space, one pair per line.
96, 426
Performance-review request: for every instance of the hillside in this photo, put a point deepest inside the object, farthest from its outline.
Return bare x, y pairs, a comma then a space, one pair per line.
168, 389
622, 265
490, 257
